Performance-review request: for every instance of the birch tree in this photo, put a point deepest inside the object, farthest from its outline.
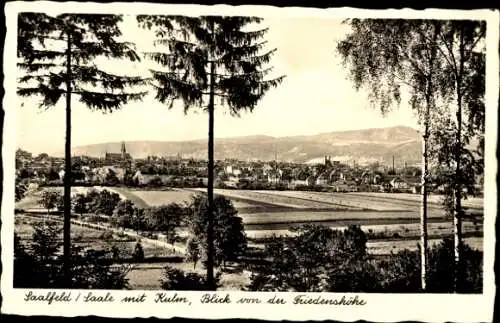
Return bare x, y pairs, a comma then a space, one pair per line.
385, 56
462, 86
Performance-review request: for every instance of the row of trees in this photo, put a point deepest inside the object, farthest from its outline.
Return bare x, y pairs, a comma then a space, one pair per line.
99, 202
441, 64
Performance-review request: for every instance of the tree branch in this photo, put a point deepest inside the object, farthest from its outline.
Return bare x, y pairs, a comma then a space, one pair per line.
450, 51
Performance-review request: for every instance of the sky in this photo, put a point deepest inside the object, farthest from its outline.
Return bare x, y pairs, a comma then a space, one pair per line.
315, 97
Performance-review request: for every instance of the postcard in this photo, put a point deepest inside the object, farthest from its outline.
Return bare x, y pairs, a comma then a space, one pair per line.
249, 162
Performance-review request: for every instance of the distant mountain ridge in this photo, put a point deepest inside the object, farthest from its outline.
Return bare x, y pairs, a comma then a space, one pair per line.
361, 146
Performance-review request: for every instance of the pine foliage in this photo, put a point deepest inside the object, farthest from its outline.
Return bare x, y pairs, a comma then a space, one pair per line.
43, 45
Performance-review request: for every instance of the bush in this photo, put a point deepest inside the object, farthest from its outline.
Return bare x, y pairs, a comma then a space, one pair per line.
138, 254
176, 279
304, 262
41, 266
319, 259
354, 276
400, 273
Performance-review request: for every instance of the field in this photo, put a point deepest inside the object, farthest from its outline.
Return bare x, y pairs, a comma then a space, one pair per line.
391, 222
146, 198
279, 210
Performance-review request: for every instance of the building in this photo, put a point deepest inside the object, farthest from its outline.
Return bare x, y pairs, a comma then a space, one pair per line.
399, 183
122, 159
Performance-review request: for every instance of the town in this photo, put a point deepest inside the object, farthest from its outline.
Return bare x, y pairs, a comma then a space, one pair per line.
120, 168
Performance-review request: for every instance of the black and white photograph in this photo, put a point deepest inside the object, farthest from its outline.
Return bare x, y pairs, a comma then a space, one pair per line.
169, 151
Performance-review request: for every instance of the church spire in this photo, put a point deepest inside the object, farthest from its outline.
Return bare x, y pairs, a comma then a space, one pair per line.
123, 150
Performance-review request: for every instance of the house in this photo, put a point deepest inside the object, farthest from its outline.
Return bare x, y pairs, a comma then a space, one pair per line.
274, 176
344, 186
144, 179
399, 183
335, 175
233, 178
266, 169
371, 178
230, 184
61, 174
311, 180
297, 182
322, 179
100, 173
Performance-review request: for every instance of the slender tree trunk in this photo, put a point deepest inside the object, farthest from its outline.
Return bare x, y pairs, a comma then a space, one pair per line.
457, 216
423, 209
457, 220
425, 164
210, 188
67, 173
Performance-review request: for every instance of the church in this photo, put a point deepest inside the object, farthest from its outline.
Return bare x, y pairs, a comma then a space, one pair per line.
122, 158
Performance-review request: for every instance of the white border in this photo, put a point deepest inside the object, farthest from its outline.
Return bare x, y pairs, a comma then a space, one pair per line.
379, 307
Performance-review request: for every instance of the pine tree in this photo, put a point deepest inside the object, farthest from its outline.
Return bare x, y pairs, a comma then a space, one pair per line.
56, 54
205, 58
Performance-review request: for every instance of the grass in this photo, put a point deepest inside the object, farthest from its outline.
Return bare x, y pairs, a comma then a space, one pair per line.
329, 216
156, 198
473, 202
149, 276
386, 247
129, 194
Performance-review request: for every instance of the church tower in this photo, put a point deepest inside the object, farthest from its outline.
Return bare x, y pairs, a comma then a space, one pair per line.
123, 151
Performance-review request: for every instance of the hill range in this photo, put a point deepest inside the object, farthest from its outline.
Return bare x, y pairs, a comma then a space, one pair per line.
362, 146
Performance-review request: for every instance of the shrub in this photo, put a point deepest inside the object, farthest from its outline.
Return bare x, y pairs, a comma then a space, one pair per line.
41, 266
176, 279
138, 254
304, 262
400, 273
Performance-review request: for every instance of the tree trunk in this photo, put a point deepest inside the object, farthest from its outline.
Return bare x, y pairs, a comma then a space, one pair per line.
67, 173
457, 216
423, 209
210, 188
425, 163
457, 221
